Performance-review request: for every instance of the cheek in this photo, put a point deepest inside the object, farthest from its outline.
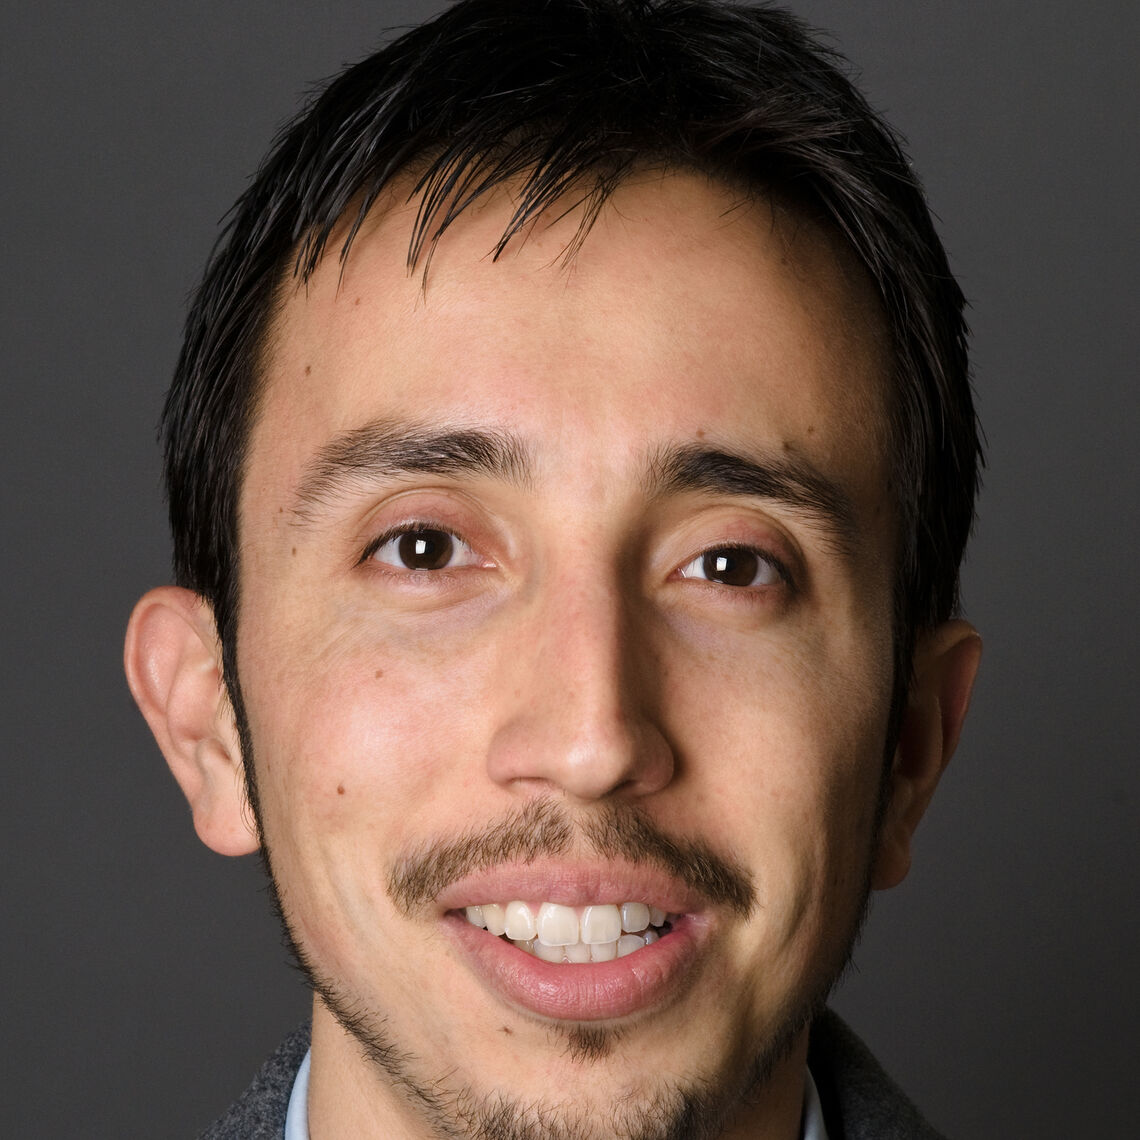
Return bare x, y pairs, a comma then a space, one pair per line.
782, 747
356, 748
356, 739
801, 719
792, 798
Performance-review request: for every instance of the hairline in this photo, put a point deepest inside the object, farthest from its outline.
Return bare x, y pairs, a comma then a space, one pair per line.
292, 275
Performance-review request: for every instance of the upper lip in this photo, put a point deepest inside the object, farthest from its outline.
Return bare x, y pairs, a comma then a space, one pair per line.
571, 884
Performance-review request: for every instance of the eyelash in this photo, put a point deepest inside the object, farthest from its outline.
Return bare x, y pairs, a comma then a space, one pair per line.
413, 526
747, 592
430, 526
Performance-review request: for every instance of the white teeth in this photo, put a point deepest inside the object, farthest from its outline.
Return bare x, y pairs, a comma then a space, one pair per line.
628, 943
520, 922
557, 933
579, 952
601, 924
548, 953
557, 925
634, 917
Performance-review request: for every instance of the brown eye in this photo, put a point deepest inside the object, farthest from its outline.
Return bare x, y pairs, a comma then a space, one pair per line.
425, 549
730, 567
733, 566
422, 548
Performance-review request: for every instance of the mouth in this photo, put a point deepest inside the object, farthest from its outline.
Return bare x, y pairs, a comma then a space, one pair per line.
601, 932
563, 945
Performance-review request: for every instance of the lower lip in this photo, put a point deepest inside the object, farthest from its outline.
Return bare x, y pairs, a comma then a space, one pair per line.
589, 991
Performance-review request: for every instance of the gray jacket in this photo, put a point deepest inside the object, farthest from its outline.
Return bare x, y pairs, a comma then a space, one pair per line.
860, 1102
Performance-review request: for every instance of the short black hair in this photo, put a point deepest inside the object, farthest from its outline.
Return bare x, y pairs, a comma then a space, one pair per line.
569, 97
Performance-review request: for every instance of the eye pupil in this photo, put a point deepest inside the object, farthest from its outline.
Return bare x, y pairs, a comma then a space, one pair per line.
425, 549
731, 566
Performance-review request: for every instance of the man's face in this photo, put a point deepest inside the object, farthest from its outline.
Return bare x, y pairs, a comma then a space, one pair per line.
570, 582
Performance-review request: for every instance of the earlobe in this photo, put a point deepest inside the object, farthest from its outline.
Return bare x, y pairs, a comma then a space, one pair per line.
945, 665
173, 667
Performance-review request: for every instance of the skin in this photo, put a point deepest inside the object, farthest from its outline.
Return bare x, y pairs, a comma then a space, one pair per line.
571, 656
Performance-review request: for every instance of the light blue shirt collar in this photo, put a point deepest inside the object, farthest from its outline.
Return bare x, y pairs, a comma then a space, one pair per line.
297, 1115
812, 1127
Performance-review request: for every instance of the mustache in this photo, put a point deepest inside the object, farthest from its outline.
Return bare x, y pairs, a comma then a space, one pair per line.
546, 828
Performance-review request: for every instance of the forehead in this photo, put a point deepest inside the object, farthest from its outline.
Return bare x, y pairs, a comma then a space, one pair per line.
687, 313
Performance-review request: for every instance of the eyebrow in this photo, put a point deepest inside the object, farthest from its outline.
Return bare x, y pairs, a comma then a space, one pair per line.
384, 449
787, 480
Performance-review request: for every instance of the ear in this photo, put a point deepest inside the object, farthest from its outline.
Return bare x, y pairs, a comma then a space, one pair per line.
945, 664
173, 664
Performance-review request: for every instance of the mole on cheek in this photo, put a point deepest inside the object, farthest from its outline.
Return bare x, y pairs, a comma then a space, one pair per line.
379, 674
340, 789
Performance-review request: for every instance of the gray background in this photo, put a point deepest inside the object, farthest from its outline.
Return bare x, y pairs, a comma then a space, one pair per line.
145, 980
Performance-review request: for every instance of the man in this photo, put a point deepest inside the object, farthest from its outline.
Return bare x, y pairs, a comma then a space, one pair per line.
569, 462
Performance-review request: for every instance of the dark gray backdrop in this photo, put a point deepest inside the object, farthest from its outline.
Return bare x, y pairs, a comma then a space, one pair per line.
145, 979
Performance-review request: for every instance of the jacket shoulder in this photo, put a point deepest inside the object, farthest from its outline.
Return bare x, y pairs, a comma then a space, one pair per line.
259, 1114
860, 1101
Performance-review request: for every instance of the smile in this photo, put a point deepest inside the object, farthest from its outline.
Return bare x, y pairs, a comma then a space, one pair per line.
589, 955
576, 935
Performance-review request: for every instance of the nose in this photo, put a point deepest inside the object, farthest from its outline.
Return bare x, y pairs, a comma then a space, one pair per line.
580, 700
